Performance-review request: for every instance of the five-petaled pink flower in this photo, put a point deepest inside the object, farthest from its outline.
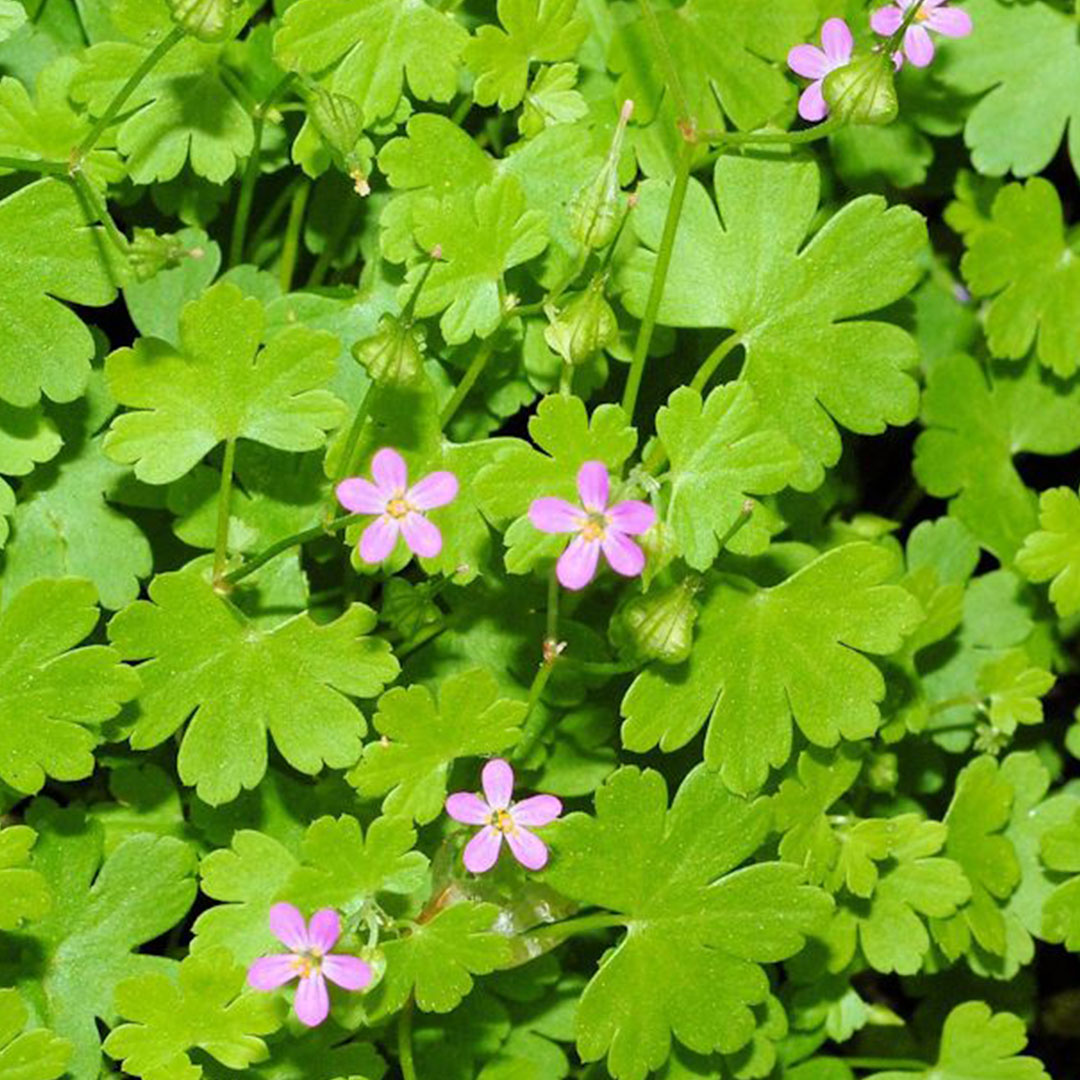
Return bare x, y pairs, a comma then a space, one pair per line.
813, 63
310, 960
934, 15
400, 508
599, 527
503, 819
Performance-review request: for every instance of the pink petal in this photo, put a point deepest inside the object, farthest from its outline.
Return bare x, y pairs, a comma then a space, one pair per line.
632, 516
624, 556
536, 810
592, 485
918, 46
324, 929
553, 515
435, 490
952, 22
270, 972
360, 496
312, 1002
421, 536
482, 850
886, 21
288, 926
812, 105
498, 781
837, 41
577, 564
348, 972
390, 472
808, 61
528, 849
468, 808
379, 539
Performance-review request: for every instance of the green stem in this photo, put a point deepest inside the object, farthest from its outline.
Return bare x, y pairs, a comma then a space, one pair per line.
764, 138
953, 703
404, 1041
99, 211
534, 722
583, 924
112, 110
275, 549
667, 61
291, 247
349, 450
474, 371
659, 279
903, 1064
593, 667
745, 514
429, 633
551, 637
566, 380
269, 221
221, 539
46, 168
713, 361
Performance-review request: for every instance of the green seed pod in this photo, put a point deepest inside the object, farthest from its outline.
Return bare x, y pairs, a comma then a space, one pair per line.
584, 326
394, 354
340, 122
207, 20
150, 253
596, 208
658, 625
863, 92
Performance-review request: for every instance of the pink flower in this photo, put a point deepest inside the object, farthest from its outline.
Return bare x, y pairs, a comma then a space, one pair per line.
598, 527
309, 959
400, 507
503, 819
934, 15
813, 63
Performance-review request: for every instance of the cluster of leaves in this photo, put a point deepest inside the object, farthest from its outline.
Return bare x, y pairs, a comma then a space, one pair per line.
819, 761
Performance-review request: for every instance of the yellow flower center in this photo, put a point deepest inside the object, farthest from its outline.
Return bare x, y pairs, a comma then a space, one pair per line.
307, 964
397, 508
595, 527
502, 821
922, 15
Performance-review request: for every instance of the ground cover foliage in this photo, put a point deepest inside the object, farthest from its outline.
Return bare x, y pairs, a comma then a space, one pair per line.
539, 539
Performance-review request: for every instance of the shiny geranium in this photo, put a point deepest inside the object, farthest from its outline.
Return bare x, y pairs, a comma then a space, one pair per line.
401, 508
599, 527
503, 820
811, 62
937, 16
309, 959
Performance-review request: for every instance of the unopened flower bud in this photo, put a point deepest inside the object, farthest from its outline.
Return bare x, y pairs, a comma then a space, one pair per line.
394, 354
863, 91
584, 326
207, 20
150, 253
596, 208
658, 625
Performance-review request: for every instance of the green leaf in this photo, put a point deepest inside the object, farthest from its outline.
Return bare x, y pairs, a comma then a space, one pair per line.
689, 965
27, 438
420, 741
533, 30
436, 959
1053, 552
766, 657
37, 1054
54, 695
1020, 118
1014, 688
12, 16
182, 112
220, 385
1060, 849
720, 453
344, 869
977, 1042
811, 361
552, 99
372, 47
104, 910
50, 254
24, 895
977, 421
326, 1053
481, 236
205, 1007
1022, 260
235, 682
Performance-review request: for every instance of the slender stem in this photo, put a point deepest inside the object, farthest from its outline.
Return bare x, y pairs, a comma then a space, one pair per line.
112, 110
534, 722
221, 539
429, 633
566, 379
269, 221
551, 637
287, 542
583, 924
46, 168
745, 514
659, 278
404, 1041
349, 450
903, 1064
291, 247
473, 372
671, 70
953, 703
764, 138
713, 361
99, 211
594, 667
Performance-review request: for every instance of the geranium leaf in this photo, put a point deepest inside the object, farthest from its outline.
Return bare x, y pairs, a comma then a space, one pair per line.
36, 1054
24, 894
1053, 552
